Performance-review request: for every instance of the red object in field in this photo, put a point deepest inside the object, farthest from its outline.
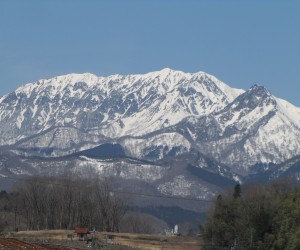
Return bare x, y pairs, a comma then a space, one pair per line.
82, 233
81, 230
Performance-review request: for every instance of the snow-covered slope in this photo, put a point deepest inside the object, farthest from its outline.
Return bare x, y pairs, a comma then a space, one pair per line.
152, 116
255, 128
113, 106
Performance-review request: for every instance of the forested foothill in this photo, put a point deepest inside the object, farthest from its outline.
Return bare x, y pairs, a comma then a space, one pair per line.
246, 217
255, 217
68, 201
62, 203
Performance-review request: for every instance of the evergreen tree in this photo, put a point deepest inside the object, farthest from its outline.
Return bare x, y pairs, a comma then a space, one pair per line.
237, 191
263, 218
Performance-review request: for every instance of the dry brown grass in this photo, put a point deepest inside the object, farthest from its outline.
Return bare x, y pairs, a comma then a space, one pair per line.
42, 234
153, 242
137, 241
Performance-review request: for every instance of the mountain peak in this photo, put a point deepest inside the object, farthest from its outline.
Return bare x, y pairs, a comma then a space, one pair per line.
258, 87
165, 72
260, 91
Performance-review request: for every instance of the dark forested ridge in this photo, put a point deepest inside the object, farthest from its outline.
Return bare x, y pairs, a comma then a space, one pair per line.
63, 203
255, 217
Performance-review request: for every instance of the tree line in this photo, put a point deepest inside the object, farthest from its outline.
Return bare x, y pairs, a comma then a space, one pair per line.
66, 202
255, 217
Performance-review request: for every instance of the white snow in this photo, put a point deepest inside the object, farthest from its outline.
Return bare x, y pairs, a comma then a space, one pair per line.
140, 147
290, 111
182, 187
152, 102
122, 169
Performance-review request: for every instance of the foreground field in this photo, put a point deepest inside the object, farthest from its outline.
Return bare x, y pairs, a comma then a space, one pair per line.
9, 243
60, 239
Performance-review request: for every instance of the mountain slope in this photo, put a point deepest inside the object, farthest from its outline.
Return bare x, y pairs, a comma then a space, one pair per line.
153, 116
255, 128
110, 105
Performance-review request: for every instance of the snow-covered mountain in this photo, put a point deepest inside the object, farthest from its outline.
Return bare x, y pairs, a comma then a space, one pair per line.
254, 128
112, 106
155, 117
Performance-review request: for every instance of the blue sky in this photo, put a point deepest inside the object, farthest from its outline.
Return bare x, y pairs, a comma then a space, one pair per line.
240, 42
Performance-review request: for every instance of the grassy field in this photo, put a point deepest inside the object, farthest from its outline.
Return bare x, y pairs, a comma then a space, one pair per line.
120, 240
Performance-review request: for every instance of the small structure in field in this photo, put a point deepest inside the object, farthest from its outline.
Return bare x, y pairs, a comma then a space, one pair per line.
70, 237
173, 231
82, 232
176, 229
110, 239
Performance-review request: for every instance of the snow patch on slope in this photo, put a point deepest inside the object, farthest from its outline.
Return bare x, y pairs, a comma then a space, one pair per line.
141, 147
182, 187
144, 172
290, 111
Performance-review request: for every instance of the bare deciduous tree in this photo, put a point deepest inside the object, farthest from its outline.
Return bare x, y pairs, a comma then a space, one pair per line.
69, 201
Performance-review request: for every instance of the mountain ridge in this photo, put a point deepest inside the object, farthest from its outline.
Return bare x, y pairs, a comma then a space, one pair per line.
153, 117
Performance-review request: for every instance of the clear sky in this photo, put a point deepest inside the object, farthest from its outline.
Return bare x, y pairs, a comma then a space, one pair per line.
240, 42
